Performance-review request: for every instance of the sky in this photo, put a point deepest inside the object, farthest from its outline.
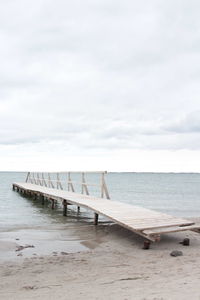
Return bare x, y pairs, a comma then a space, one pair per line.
100, 85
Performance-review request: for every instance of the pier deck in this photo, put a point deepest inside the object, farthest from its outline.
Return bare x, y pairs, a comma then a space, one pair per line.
145, 222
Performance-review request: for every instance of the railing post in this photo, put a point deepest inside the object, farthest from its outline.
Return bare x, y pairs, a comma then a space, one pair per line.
38, 179
70, 184
104, 189
27, 177
84, 185
43, 180
50, 182
82, 189
30, 178
68, 179
34, 180
58, 182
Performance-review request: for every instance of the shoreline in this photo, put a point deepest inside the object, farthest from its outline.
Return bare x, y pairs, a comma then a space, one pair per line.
44, 240
115, 267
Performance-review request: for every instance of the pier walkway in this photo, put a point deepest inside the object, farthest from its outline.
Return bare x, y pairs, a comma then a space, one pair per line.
145, 222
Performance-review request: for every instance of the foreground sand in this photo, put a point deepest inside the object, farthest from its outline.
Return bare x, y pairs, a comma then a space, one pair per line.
117, 268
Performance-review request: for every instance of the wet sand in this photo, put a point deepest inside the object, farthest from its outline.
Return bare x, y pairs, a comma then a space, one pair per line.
48, 239
112, 267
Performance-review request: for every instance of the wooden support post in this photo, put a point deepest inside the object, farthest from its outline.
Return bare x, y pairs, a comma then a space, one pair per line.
146, 245
96, 218
42, 198
64, 208
52, 204
185, 242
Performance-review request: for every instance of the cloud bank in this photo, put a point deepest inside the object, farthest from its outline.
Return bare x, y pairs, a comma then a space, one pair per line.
95, 78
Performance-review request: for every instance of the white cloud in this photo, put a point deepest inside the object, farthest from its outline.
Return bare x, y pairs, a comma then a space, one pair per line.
93, 78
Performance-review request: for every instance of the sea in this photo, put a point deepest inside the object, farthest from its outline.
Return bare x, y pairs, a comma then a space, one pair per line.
25, 221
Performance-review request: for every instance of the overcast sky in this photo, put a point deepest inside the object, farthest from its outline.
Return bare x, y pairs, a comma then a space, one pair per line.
100, 84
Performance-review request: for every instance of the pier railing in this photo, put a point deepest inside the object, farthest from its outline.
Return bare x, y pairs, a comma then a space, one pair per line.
64, 181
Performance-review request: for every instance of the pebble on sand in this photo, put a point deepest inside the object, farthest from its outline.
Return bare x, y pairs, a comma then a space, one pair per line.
176, 253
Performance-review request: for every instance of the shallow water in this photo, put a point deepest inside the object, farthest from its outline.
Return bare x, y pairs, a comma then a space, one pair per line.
26, 221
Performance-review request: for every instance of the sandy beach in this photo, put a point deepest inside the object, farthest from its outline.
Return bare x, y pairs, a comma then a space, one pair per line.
115, 267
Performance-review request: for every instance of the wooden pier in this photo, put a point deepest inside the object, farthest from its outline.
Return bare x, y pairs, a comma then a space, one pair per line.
145, 222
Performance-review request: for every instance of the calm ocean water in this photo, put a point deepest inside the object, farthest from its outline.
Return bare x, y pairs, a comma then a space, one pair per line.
176, 194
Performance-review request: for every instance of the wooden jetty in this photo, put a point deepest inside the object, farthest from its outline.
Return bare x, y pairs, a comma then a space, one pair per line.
145, 222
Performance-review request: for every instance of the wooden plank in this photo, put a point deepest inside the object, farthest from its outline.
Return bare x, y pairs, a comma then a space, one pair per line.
170, 229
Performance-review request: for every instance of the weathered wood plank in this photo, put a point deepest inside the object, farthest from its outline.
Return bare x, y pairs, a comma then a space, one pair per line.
169, 229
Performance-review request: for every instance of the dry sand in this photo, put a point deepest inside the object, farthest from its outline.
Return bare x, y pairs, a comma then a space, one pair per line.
116, 268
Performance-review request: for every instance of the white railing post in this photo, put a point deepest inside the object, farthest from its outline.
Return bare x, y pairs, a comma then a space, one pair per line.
50, 182
68, 179
38, 179
34, 180
43, 180
31, 178
27, 177
58, 183
104, 189
70, 184
84, 185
